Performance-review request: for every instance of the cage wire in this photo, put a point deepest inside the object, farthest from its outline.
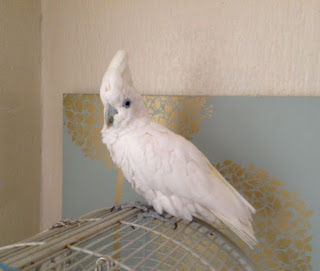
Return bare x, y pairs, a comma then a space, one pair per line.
120, 240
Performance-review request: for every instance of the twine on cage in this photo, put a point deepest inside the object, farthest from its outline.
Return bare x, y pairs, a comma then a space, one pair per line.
60, 224
69, 222
28, 244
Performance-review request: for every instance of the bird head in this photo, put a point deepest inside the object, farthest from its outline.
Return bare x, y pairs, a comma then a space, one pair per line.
122, 103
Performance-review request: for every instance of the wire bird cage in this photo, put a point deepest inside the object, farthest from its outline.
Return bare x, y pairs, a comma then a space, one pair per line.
120, 240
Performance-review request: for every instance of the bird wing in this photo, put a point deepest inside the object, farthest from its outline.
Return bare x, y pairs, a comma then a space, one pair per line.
172, 166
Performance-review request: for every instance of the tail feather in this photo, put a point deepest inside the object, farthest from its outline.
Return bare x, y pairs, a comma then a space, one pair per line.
237, 195
242, 228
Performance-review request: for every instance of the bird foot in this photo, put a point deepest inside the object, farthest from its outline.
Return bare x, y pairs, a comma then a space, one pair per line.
147, 211
136, 204
154, 214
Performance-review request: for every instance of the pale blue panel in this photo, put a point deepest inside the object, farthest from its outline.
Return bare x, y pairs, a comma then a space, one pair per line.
87, 184
280, 135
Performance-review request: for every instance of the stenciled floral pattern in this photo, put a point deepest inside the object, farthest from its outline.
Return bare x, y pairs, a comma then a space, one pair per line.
282, 219
181, 114
83, 118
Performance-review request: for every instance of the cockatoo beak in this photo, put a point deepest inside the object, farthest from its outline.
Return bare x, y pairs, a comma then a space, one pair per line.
109, 112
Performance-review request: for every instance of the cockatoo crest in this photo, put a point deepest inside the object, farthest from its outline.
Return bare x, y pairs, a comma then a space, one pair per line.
118, 95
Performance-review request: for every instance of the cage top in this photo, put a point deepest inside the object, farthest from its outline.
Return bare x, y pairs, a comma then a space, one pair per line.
120, 240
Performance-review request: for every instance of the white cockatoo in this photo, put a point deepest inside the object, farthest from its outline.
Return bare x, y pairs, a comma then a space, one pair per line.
165, 168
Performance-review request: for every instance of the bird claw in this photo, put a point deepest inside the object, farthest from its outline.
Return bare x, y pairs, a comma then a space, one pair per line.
175, 225
147, 211
153, 214
136, 204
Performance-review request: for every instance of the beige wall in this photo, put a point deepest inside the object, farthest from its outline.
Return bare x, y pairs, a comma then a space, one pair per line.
20, 70
176, 47
216, 47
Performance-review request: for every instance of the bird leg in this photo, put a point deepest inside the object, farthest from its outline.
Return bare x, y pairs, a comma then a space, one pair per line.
154, 214
147, 211
136, 204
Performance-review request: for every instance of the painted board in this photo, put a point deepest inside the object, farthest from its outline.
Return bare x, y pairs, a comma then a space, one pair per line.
268, 148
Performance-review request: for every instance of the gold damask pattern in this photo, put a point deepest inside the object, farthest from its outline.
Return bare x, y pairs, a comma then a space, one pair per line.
84, 119
282, 219
181, 114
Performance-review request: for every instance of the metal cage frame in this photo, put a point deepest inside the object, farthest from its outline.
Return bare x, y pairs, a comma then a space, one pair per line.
120, 240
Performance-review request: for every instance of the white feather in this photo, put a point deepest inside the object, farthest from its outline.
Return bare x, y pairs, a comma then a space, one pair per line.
168, 170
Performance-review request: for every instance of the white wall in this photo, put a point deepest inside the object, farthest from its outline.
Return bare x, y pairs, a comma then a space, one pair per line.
20, 76
219, 47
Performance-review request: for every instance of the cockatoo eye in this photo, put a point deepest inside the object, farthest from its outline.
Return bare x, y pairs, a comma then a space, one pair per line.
127, 103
